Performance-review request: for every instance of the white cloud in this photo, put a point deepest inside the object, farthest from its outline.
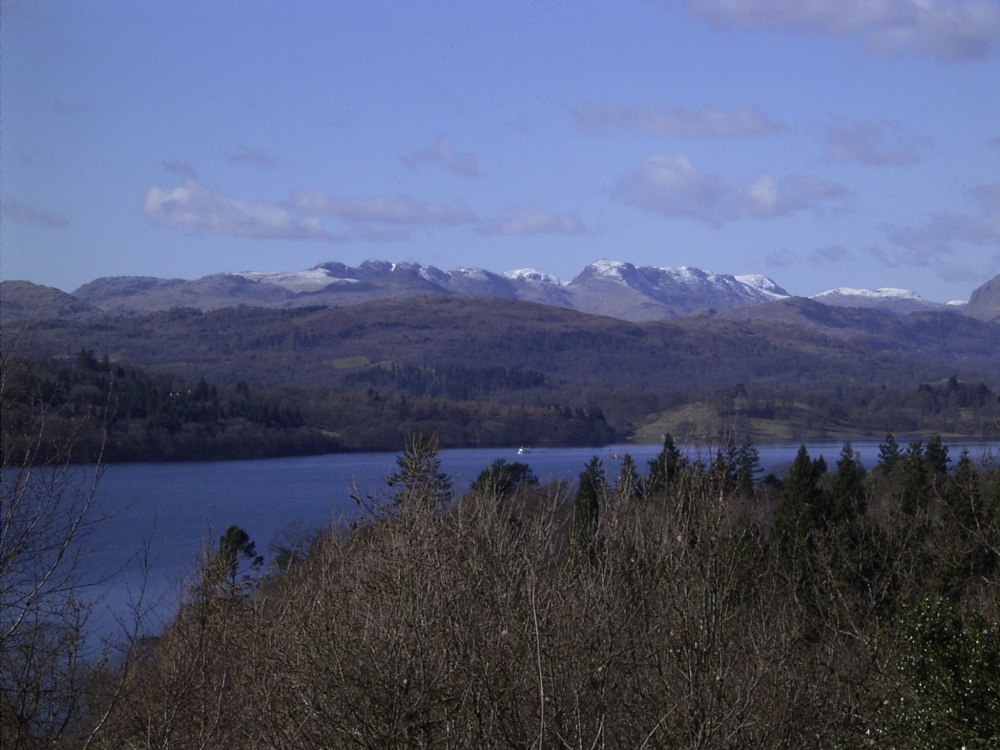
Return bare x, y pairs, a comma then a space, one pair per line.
28, 214
192, 208
382, 209
443, 154
673, 186
870, 144
525, 220
947, 29
673, 122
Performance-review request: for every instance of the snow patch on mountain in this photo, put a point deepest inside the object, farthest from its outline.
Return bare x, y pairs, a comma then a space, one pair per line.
762, 284
884, 293
478, 274
530, 274
311, 280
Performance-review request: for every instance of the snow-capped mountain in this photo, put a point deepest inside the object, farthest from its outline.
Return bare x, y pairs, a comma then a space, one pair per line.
605, 287
887, 299
623, 290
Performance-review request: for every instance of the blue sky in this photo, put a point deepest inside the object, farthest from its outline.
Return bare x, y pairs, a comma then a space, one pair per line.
826, 143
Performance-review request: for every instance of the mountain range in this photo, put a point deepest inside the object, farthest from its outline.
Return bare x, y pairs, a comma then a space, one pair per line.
612, 288
647, 347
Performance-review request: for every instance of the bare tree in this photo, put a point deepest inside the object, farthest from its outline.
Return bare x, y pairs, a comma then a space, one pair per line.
46, 514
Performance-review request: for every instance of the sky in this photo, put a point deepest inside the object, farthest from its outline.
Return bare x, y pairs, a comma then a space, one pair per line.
824, 143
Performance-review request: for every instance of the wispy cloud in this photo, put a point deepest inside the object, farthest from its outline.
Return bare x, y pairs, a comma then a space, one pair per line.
673, 186
865, 142
443, 154
830, 254
28, 214
392, 208
947, 29
933, 243
921, 245
673, 122
64, 107
251, 157
182, 169
528, 220
193, 208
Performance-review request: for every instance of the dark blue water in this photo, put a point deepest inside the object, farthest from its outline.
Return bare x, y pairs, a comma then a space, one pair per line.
173, 509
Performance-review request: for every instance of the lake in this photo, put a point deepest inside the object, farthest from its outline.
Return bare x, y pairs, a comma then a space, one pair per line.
177, 507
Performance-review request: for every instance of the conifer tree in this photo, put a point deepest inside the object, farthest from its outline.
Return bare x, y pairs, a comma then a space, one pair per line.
419, 478
666, 467
804, 508
847, 489
628, 485
587, 508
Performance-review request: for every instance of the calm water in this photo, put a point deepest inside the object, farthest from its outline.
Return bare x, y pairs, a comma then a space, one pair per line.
176, 507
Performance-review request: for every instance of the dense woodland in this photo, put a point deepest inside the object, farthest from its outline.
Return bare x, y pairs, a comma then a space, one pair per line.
502, 372
119, 412
679, 604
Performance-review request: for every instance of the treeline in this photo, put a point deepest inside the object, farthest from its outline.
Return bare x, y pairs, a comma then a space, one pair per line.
949, 406
449, 381
683, 604
117, 412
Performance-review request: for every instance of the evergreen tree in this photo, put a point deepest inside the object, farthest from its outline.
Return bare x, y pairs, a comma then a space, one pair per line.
743, 465
804, 508
971, 550
628, 486
666, 467
235, 546
420, 479
847, 489
889, 454
936, 461
502, 479
587, 508
913, 486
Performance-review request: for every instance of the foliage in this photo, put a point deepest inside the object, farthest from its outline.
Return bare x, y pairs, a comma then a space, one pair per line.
502, 479
949, 681
702, 616
419, 479
613, 378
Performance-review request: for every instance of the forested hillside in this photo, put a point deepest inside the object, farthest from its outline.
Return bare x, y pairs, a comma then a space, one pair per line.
495, 372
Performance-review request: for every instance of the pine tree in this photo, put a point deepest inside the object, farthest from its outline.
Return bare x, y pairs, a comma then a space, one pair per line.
804, 508
420, 479
587, 508
628, 486
666, 467
847, 490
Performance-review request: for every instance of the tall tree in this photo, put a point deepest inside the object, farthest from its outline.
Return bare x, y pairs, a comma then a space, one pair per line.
587, 508
847, 490
666, 467
804, 508
628, 486
419, 479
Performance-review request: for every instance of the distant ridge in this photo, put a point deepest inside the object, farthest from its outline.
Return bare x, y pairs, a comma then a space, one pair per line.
984, 303
612, 288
